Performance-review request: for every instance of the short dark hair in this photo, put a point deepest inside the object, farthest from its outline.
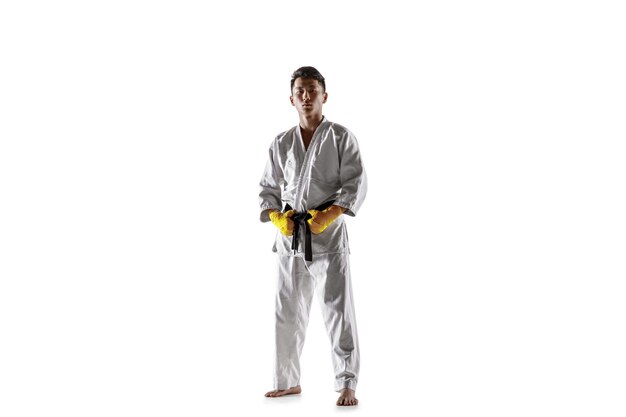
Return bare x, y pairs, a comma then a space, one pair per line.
308, 72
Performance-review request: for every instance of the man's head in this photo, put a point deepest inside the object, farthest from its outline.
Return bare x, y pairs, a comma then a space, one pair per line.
308, 72
308, 91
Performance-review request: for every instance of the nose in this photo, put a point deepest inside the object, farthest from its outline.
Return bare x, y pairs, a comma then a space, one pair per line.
305, 96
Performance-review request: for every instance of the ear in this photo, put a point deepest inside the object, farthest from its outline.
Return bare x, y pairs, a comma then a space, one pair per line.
291, 100
325, 97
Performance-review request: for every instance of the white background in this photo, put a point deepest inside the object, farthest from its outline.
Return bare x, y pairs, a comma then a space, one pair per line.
488, 259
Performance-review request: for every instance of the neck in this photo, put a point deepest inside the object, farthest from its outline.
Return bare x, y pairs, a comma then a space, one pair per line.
310, 122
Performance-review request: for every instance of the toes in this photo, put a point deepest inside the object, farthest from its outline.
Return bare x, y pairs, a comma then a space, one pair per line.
280, 393
347, 401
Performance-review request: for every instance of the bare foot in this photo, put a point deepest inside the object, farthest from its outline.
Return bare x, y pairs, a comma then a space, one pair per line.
281, 392
347, 397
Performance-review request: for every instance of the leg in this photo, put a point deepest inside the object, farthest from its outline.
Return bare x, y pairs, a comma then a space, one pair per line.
334, 291
293, 303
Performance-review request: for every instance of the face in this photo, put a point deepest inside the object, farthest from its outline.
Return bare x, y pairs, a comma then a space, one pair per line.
308, 96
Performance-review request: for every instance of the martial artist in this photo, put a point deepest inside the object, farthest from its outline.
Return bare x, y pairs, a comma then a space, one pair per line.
314, 176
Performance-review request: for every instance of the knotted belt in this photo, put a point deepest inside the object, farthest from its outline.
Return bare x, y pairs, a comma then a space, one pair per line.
301, 220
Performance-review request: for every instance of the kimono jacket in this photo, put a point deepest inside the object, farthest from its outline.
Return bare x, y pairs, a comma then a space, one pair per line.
330, 169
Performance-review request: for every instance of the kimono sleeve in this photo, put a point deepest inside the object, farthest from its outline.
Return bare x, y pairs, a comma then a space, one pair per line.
270, 195
352, 175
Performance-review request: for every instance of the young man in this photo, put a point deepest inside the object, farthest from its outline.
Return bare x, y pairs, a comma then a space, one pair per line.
315, 169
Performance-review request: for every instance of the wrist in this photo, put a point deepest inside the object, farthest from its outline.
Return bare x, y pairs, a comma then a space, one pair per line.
338, 210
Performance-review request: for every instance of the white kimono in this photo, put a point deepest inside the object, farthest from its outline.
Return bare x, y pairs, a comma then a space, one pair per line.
331, 169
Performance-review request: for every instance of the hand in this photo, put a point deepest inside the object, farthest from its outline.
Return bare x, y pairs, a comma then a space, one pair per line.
322, 219
282, 221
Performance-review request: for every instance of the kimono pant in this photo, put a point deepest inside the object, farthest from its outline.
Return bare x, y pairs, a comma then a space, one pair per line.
328, 275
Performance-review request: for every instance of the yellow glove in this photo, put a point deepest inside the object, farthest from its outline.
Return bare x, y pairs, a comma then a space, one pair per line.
283, 221
322, 219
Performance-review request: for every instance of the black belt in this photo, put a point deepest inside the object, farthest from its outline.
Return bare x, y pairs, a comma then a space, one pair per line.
301, 219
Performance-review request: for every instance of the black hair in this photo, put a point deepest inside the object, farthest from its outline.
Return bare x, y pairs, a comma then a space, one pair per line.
308, 72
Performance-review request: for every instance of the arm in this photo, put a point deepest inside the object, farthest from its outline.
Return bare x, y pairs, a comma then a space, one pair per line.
352, 175
270, 195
